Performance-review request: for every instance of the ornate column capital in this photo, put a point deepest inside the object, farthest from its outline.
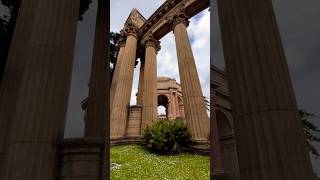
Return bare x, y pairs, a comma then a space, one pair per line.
130, 29
149, 40
122, 40
179, 17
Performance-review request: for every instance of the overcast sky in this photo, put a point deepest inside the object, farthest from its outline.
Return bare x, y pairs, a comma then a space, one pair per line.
300, 32
167, 65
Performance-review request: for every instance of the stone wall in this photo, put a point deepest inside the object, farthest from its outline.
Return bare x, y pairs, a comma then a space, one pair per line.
134, 122
80, 159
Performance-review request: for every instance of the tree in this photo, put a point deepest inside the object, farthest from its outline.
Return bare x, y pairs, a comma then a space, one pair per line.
114, 47
310, 130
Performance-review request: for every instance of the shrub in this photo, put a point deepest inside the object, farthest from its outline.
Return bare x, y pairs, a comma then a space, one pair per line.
167, 137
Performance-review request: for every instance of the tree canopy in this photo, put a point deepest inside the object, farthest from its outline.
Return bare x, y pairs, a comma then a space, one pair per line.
310, 131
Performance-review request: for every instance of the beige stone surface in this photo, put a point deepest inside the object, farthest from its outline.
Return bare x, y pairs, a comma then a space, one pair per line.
194, 107
170, 96
41, 100
140, 85
119, 108
134, 122
269, 137
115, 78
149, 96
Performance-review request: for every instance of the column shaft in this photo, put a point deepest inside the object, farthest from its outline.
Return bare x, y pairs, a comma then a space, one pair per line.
98, 95
12, 76
140, 86
268, 129
41, 103
194, 107
115, 78
150, 101
122, 94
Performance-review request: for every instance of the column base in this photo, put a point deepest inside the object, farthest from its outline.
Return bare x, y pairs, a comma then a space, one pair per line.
221, 175
81, 158
201, 144
126, 140
199, 147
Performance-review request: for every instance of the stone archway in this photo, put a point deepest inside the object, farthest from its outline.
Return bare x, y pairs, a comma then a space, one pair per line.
227, 145
163, 101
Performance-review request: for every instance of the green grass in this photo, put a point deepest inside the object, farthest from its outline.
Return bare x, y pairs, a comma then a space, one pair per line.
135, 162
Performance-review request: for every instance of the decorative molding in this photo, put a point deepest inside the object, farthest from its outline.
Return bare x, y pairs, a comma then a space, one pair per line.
130, 29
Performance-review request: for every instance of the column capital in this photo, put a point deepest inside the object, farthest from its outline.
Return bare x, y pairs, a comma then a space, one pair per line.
179, 17
150, 40
122, 40
130, 29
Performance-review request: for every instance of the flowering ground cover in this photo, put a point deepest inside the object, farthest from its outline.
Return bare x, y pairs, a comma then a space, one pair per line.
135, 162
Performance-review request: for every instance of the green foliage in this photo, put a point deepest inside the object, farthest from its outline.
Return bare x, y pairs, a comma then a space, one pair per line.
167, 137
310, 131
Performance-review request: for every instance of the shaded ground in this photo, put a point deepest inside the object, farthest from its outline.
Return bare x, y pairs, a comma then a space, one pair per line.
134, 162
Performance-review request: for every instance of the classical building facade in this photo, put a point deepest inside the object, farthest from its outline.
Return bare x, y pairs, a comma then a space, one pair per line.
140, 39
169, 95
36, 81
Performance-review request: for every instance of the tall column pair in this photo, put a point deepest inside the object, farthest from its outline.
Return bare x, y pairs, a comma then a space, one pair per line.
35, 88
121, 90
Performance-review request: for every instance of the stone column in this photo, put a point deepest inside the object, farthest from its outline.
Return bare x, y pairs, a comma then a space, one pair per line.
12, 76
177, 105
173, 105
41, 100
268, 129
115, 78
149, 96
122, 93
98, 96
194, 107
140, 86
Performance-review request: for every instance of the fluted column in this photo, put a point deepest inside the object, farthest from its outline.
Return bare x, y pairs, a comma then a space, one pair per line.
12, 76
98, 96
140, 85
122, 93
268, 129
115, 78
38, 120
194, 107
149, 96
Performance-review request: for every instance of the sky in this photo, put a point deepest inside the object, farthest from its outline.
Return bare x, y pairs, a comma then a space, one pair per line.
300, 32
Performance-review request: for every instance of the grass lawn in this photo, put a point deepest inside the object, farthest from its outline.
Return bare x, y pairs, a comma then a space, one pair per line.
134, 162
